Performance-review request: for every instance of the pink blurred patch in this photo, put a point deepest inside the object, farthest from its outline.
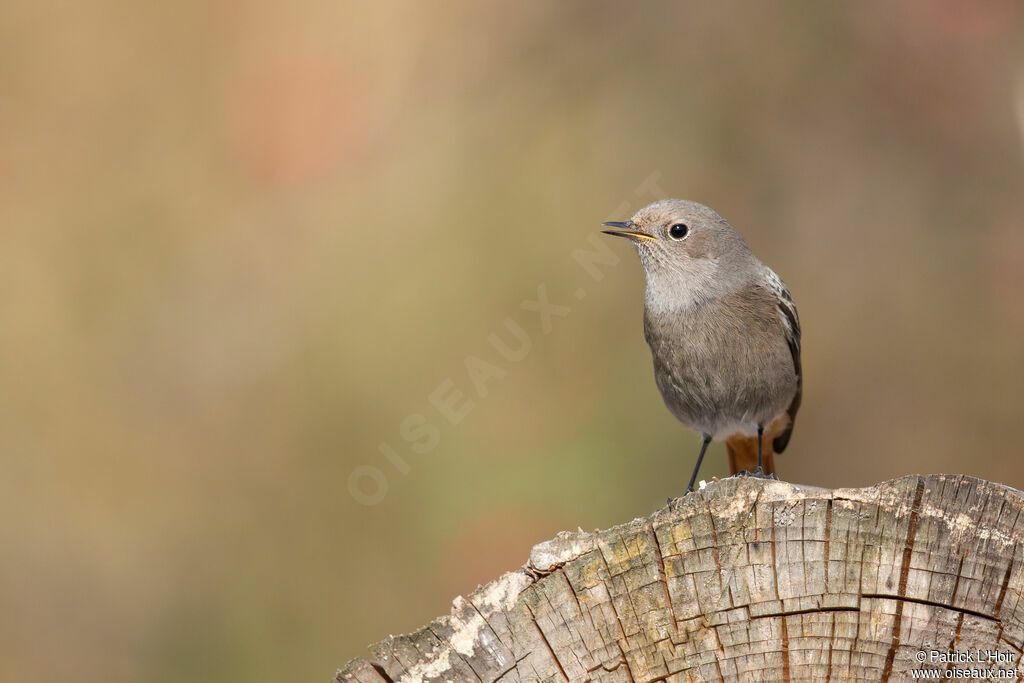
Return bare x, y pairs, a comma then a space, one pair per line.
933, 60
963, 20
291, 119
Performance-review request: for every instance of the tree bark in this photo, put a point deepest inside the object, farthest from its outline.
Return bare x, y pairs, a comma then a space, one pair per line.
747, 579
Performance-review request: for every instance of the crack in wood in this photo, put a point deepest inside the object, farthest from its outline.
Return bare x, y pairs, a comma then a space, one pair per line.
714, 542
510, 646
576, 598
831, 641
1006, 581
960, 619
513, 667
628, 593
718, 669
451, 649
605, 667
828, 537
662, 574
902, 599
544, 639
659, 679
954, 640
625, 660
908, 551
775, 564
785, 650
718, 642
956, 583
381, 672
611, 603
1015, 647
800, 612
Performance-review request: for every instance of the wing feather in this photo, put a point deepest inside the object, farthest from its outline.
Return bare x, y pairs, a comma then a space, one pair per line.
791, 325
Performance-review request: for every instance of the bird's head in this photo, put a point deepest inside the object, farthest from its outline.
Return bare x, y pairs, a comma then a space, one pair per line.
684, 246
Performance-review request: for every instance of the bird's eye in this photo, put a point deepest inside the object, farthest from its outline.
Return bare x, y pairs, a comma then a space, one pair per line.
678, 231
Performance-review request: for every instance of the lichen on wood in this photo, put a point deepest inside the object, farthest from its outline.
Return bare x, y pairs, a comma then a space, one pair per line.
746, 579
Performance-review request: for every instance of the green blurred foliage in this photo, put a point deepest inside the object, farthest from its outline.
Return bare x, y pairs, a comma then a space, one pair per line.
243, 242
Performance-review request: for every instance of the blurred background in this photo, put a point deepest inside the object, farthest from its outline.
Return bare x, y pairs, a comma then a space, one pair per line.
255, 257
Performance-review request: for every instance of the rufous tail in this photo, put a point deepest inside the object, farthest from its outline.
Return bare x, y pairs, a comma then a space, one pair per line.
742, 450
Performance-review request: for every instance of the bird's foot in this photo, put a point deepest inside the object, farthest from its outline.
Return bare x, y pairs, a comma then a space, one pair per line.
670, 499
757, 474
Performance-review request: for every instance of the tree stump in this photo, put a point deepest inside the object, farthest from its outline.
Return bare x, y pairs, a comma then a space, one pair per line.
748, 580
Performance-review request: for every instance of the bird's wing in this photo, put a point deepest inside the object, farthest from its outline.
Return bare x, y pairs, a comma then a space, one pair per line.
791, 326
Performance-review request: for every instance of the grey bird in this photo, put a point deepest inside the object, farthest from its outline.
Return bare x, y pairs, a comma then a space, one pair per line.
723, 331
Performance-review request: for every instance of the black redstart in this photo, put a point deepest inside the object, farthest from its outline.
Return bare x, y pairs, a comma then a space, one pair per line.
723, 331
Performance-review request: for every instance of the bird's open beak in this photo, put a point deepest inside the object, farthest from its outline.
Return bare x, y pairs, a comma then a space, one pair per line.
625, 229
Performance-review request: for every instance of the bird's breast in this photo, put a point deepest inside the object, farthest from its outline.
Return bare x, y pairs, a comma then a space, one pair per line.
725, 361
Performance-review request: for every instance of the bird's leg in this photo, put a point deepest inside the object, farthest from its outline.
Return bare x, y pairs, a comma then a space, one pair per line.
760, 434
703, 448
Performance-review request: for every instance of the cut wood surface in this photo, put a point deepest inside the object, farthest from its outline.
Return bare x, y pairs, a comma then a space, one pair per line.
747, 579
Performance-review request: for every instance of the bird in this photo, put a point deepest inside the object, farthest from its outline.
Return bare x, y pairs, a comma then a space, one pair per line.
723, 331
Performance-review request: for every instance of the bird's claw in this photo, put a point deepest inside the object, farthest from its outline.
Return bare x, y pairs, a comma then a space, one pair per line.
757, 474
670, 499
